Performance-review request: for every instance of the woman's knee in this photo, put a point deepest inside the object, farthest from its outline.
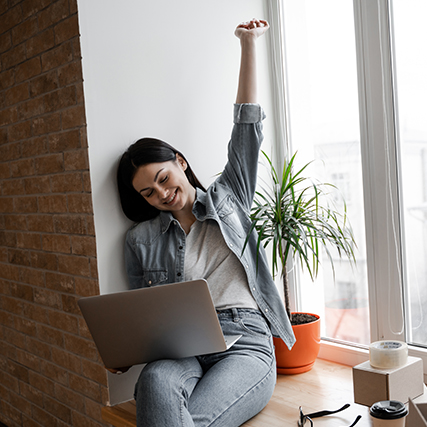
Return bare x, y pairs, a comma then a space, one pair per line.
168, 376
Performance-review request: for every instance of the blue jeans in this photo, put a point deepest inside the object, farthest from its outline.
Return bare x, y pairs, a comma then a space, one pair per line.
216, 390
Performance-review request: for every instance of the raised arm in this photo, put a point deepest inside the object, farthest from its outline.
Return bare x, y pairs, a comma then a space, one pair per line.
248, 33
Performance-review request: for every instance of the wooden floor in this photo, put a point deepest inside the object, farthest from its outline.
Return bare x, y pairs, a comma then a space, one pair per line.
327, 386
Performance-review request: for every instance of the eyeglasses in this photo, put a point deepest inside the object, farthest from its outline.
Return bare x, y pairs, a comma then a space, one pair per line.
308, 417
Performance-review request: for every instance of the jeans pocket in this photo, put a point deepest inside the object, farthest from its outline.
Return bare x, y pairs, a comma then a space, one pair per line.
255, 326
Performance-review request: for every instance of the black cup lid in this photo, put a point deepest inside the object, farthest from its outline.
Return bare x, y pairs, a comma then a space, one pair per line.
388, 410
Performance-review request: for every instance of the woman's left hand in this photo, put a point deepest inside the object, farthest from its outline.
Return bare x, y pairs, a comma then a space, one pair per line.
253, 28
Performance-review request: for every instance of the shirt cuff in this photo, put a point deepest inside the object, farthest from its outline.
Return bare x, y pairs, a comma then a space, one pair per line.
248, 113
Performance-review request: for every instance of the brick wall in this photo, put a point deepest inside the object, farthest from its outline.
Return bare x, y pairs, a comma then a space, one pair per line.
50, 374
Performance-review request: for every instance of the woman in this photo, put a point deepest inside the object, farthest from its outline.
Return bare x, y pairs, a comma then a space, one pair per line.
184, 232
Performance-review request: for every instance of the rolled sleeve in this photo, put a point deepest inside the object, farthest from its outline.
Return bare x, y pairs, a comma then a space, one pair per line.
248, 113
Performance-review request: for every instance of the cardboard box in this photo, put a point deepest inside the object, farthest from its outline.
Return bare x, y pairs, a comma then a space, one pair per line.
372, 385
417, 416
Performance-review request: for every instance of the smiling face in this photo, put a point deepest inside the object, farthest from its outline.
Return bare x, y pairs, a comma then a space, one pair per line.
165, 185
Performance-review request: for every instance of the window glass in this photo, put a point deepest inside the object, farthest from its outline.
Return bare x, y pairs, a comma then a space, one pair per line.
410, 71
322, 99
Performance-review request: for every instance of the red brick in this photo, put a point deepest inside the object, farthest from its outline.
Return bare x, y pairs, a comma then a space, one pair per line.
47, 124
17, 94
83, 245
18, 340
19, 131
34, 146
69, 304
56, 12
28, 69
8, 238
31, 7
36, 312
84, 421
43, 417
65, 183
22, 168
10, 19
66, 360
94, 371
19, 257
52, 163
4, 171
43, 84
13, 187
72, 224
32, 394
93, 409
86, 287
69, 140
31, 276
5, 42
26, 326
86, 387
74, 400
21, 291
13, 56
38, 348
90, 226
81, 346
18, 371
76, 160
31, 108
83, 329
50, 335
37, 185
20, 404
47, 298
80, 203
56, 203
6, 205
12, 414
44, 261
40, 43
28, 240
11, 304
29, 360
70, 73
75, 265
15, 222
60, 282
73, 117
26, 204
65, 322
67, 29
86, 182
59, 99
56, 243
42, 223
54, 372
8, 116
60, 410
24, 31
57, 57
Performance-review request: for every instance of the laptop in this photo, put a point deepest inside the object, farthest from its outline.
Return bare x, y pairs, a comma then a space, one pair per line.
161, 322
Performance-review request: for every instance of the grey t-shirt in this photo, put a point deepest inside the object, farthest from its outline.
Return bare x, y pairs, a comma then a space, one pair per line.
208, 257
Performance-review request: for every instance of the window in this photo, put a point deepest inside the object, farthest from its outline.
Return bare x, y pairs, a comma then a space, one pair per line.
324, 126
356, 102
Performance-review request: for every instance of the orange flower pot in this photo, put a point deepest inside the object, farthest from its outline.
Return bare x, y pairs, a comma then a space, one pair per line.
303, 354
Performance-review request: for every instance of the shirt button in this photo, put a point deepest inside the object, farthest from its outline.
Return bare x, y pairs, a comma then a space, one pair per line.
266, 310
231, 245
149, 282
180, 248
179, 274
253, 289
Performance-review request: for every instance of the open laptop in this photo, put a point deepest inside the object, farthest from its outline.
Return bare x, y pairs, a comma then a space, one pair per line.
162, 322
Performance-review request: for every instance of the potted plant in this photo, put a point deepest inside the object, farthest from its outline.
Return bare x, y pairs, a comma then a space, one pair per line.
296, 217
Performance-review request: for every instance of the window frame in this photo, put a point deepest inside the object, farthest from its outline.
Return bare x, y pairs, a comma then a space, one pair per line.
381, 174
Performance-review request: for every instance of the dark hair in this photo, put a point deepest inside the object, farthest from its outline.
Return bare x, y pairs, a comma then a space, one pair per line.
140, 153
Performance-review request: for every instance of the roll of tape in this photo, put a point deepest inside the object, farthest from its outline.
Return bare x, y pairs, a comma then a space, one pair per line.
388, 354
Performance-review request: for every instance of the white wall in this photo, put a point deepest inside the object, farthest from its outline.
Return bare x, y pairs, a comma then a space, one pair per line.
166, 69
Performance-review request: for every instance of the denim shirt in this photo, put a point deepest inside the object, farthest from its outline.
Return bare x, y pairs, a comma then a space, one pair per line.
155, 249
